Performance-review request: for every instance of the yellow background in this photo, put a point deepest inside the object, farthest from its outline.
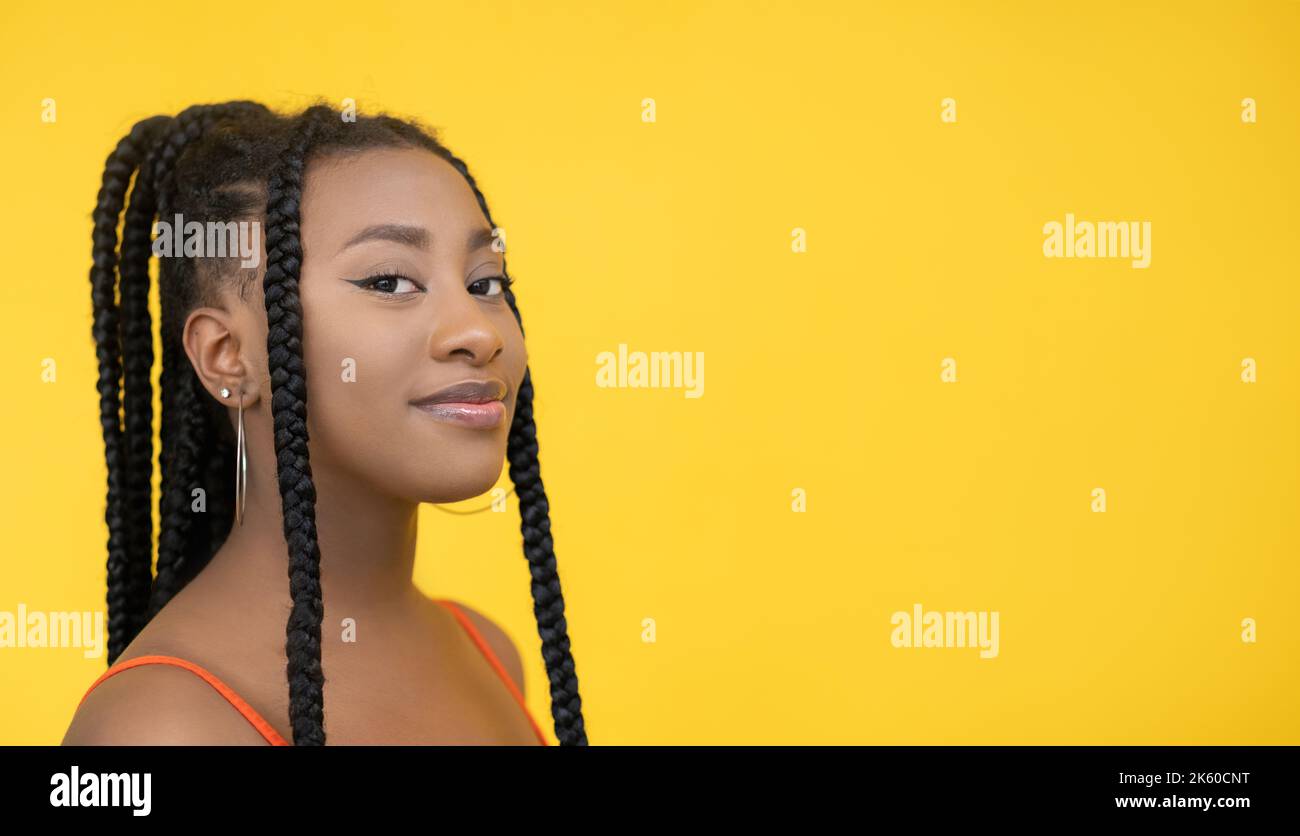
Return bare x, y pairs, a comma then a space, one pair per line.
822, 368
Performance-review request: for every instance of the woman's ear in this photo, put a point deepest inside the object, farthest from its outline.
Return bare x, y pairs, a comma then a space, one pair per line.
212, 343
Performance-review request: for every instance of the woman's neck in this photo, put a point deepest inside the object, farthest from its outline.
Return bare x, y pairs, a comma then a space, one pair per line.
366, 541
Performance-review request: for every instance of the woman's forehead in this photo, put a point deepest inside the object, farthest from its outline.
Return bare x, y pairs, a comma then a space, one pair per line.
345, 195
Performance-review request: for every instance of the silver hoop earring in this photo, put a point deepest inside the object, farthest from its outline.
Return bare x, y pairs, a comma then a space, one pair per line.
241, 464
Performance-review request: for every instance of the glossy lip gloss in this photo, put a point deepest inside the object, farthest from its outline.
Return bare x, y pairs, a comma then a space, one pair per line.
473, 415
477, 404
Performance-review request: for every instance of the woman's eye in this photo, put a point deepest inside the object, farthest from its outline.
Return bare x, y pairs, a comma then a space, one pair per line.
392, 285
491, 286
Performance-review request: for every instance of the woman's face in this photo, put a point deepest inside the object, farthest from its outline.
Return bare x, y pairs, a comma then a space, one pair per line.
401, 298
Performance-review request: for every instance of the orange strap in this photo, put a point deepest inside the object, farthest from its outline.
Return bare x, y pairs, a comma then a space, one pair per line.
496, 663
265, 728
250, 714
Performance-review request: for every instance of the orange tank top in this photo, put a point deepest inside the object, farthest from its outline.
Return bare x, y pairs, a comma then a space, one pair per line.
266, 729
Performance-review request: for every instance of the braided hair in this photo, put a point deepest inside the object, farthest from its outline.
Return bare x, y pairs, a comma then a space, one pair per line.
231, 162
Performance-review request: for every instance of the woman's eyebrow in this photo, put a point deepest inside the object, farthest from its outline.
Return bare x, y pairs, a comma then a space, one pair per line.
411, 236
415, 236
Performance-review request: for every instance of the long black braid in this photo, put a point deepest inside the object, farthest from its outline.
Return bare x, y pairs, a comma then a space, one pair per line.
155, 175
123, 574
535, 524
289, 413
185, 537
239, 161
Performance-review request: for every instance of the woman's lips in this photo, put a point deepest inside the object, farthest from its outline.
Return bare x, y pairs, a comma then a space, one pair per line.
474, 415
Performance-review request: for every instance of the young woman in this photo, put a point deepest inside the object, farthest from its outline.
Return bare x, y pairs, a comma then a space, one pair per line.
381, 291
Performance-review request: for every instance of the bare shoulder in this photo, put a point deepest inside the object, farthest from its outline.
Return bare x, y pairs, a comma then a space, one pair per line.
158, 705
500, 642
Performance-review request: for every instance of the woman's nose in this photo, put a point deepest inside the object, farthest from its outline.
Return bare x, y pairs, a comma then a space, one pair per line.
462, 328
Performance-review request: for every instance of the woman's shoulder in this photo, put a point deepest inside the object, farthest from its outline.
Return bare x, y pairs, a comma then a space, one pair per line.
157, 704
498, 640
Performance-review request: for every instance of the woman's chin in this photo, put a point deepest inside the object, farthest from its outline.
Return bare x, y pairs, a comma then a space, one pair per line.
459, 491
